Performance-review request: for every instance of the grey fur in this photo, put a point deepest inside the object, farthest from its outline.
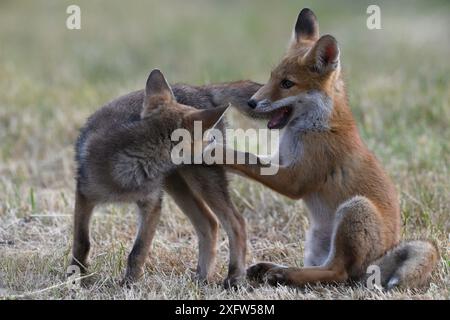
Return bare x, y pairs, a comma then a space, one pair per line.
311, 110
123, 114
125, 161
123, 154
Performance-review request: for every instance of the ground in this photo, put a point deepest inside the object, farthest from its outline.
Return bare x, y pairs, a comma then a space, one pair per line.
52, 78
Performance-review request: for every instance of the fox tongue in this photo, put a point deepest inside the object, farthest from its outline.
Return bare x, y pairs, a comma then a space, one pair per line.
276, 119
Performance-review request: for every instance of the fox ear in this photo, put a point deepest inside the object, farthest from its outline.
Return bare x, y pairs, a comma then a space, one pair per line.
157, 91
306, 27
158, 85
208, 117
324, 56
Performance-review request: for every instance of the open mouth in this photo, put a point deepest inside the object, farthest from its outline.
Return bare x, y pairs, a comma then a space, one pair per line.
279, 117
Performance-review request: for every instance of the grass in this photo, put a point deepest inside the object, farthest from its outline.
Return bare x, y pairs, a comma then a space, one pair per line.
51, 79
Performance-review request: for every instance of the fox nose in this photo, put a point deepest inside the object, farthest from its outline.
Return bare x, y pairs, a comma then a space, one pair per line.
252, 103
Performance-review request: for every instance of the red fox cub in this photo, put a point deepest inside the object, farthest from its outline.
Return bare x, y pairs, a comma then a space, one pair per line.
124, 155
353, 205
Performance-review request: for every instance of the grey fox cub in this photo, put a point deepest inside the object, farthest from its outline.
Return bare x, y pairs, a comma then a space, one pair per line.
128, 161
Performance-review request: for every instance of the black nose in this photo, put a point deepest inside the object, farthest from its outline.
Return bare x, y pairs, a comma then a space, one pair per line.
252, 103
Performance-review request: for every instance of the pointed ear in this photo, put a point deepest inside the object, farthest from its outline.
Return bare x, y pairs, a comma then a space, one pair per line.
208, 117
306, 27
157, 92
158, 85
324, 56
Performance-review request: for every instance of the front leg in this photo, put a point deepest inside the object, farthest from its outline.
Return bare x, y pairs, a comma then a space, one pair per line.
282, 179
278, 178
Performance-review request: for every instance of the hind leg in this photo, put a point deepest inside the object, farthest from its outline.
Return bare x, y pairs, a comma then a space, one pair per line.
149, 214
258, 271
81, 242
204, 221
213, 187
234, 225
356, 241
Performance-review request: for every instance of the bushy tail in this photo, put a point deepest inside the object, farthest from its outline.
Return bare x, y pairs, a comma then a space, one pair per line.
408, 265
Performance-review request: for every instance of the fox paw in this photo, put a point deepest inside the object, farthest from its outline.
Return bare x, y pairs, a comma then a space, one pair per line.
131, 276
233, 282
257, 271
200, 278
277, 276
127, 282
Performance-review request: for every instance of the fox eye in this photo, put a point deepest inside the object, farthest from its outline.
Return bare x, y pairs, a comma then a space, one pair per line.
286, 84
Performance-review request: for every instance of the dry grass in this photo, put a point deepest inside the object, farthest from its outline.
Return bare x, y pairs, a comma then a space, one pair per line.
51, 79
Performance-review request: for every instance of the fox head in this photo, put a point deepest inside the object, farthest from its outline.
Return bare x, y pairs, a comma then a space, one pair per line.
161, 109
307, 76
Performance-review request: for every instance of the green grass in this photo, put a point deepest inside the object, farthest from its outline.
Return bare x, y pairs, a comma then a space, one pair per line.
51, 79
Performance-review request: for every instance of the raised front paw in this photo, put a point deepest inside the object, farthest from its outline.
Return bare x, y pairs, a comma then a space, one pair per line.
257, 271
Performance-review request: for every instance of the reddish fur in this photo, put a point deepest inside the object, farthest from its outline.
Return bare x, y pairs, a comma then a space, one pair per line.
335, 167
341, 146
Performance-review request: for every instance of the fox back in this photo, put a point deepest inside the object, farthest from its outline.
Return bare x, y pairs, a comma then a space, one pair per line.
127, 160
